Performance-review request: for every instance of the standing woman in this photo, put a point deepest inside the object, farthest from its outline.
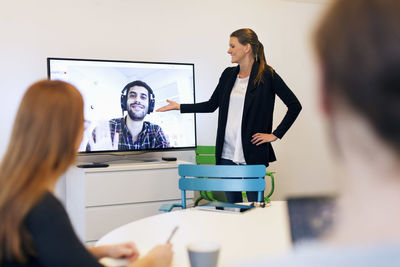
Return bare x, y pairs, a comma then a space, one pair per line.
245, 96
35, 229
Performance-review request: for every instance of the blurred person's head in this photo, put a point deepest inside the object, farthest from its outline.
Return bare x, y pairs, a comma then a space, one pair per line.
46, 135
358, 46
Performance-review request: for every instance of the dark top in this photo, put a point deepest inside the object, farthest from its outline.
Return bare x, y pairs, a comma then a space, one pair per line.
257, 111
55, 242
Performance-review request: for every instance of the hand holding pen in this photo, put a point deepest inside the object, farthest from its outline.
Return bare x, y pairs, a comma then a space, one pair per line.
172, 234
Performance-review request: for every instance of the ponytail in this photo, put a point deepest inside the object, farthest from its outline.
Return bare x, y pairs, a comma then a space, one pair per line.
259, 57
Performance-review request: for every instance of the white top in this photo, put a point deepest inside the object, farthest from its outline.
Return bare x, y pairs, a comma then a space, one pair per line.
233, 148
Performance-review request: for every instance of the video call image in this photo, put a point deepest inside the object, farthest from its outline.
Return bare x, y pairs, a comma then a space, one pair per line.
121, 99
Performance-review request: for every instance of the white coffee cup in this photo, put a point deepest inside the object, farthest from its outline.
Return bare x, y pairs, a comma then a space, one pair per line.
203, 254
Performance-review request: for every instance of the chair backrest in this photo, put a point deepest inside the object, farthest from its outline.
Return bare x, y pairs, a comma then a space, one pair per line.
222, 184
218, 171
191, 174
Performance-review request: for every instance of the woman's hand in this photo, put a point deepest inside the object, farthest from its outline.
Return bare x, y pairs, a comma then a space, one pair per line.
172, 105
127, 251
261, 138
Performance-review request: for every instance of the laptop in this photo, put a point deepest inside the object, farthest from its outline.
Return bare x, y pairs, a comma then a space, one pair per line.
310, 217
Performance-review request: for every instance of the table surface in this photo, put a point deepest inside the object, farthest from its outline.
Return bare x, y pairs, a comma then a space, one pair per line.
241, 236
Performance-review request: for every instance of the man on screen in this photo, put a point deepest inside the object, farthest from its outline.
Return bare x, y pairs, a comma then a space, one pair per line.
131, 132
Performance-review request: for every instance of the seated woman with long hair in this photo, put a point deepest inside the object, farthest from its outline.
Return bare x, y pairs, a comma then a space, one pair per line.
35, 229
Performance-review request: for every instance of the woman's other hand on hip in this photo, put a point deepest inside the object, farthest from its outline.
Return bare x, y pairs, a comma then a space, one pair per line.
261, 138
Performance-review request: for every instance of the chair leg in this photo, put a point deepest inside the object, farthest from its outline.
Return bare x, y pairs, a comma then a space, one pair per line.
267, 197
259, 197
203, 194
183, 199
169, 207
196, 203
210, 196
206, 195
244, 196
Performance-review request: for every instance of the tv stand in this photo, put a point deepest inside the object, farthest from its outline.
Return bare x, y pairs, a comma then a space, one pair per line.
99, 200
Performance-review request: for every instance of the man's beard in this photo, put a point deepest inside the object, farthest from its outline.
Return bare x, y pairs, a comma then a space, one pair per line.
137, 116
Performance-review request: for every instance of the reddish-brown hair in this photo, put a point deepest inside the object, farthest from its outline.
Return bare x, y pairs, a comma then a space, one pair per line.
43, 144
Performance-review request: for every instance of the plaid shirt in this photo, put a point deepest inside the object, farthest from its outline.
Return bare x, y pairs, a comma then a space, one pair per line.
151, 136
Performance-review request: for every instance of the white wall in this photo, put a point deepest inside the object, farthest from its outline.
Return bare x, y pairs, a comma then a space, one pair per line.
176, 31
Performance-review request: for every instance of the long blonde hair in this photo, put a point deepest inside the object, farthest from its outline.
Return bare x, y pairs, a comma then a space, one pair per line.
43, 145
248, 36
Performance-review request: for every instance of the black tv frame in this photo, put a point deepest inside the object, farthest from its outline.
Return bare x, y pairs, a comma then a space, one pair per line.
136, 151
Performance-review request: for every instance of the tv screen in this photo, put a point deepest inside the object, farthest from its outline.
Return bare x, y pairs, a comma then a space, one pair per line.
121, 99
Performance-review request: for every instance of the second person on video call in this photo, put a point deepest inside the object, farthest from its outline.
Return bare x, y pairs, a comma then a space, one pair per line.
130, 132
245, 96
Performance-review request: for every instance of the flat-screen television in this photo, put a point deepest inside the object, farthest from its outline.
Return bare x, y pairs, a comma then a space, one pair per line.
121, 99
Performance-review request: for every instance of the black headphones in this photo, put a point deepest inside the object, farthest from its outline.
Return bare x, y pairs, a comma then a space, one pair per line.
124, 95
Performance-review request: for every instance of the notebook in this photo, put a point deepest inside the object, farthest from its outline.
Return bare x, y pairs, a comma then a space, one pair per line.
225, 207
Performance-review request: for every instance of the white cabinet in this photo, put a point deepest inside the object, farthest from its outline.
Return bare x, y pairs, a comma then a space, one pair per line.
101, 199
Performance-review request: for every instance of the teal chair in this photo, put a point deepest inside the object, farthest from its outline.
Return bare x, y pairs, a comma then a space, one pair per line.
206, 155
192, 178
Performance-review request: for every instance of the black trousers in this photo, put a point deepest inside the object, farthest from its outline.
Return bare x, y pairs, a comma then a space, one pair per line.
235, 197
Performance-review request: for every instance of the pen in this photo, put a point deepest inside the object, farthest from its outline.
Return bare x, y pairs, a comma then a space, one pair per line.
172, 234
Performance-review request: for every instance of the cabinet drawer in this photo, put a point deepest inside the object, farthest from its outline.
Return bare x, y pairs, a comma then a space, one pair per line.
121, 187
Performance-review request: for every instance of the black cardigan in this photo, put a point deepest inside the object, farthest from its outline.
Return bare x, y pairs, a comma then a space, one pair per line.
53, 238
257, 111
